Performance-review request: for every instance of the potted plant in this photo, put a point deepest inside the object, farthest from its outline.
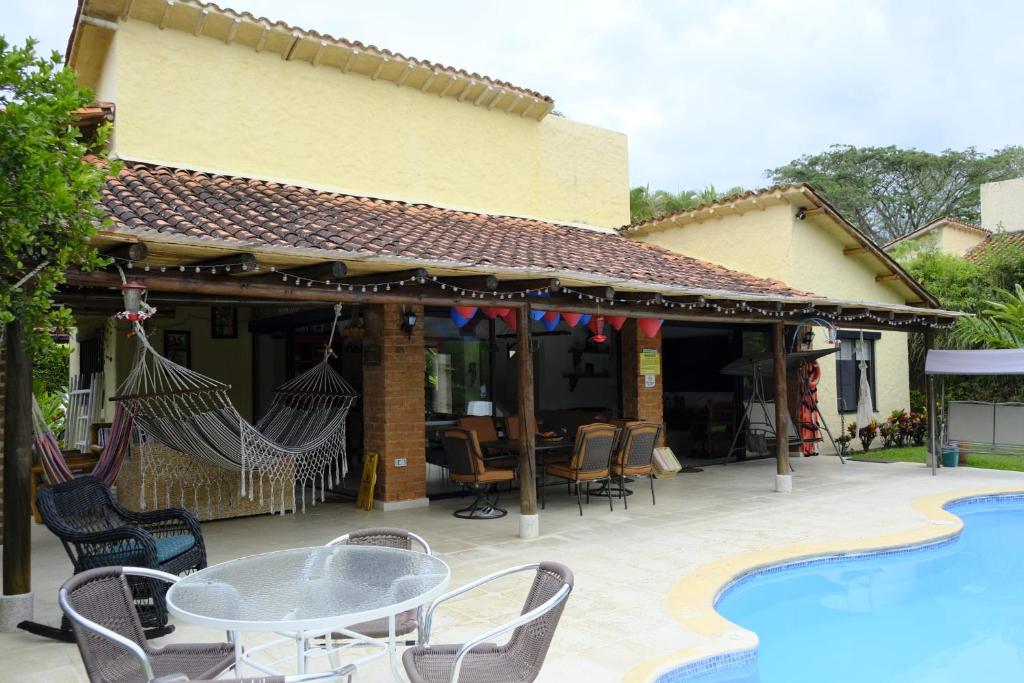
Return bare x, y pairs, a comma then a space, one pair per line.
867, 434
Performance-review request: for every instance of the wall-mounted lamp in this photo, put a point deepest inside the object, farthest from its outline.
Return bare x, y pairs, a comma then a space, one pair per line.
409, 322
808, 338
801, 213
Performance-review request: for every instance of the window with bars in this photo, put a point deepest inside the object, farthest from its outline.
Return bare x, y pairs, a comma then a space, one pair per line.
848, 358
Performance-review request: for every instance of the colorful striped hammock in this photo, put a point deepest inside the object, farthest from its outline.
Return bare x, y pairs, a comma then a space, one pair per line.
111, 458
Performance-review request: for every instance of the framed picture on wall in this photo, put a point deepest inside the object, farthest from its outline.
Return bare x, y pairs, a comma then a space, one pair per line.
223, 322
178, 347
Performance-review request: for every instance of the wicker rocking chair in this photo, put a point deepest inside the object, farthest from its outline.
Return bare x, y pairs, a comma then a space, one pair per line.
97, 532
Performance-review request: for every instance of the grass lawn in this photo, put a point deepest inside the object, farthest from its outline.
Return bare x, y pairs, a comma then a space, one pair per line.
917, 454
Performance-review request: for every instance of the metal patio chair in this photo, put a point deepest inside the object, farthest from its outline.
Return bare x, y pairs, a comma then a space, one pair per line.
407, 621
482, 661
98, 532
634, 458
100, 607
467, 467
590, 463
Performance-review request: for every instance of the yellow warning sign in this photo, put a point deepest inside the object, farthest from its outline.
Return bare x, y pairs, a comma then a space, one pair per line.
368, 481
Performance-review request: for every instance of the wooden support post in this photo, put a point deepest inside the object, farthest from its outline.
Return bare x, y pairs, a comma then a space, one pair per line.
782, 481
933, 426
929, 344
17, 563
529, 523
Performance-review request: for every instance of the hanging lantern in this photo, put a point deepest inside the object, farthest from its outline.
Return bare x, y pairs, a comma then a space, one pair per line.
650, 326
510, 320
596, 325
572, 319
616, 321
550, 320
135, 309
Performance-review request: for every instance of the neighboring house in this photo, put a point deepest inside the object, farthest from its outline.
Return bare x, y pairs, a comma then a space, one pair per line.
792, 234
1002, 221
947, 234
1002, 205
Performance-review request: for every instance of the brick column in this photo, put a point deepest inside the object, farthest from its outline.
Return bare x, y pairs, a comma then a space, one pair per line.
639, 401
393, 405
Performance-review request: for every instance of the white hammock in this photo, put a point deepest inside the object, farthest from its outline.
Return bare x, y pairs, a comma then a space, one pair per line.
301, 437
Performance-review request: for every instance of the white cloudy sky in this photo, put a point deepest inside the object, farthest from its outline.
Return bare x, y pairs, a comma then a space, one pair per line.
708, 91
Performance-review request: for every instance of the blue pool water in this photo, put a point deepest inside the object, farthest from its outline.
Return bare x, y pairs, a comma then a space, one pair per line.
949, 612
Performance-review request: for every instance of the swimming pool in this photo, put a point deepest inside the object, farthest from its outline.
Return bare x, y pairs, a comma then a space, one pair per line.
944, 612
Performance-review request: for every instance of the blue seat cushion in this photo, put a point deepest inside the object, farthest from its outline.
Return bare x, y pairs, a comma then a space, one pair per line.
167, 547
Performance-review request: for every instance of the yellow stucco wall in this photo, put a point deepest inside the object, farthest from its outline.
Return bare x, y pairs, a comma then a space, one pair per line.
958, 242
225, 360
806, 255
755, 239
1002, 205
200, 103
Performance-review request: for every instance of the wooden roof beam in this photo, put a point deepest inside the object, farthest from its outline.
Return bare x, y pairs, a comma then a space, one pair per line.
417, 275
486, 283
245, 262
551, 284
599, 292
643, 298
134, 251
853, 251
889, 277
332, 271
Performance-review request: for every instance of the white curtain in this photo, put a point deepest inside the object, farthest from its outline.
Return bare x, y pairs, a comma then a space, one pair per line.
865, 408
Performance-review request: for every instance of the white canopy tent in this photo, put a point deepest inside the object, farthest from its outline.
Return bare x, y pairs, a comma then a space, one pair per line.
981, 362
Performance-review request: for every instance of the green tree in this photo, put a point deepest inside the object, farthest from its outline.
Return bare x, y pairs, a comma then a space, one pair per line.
968, 286
49, 193
999, 326
645, 204
888, 191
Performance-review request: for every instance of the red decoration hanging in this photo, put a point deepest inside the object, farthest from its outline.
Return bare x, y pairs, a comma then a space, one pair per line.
493, 312
466, 312
571, 319
510, 319
650, 326
616, 321
596, 325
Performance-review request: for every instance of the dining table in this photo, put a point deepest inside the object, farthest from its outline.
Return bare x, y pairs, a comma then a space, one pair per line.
305, 594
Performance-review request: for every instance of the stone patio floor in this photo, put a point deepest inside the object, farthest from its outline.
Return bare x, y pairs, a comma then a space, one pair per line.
625, 562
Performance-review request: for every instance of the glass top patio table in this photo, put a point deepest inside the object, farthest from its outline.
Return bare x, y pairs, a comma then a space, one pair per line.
308, 589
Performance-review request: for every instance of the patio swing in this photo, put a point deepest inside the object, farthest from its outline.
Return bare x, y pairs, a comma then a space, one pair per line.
301, 438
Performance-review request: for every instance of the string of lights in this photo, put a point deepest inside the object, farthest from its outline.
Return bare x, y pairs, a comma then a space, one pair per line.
778, 310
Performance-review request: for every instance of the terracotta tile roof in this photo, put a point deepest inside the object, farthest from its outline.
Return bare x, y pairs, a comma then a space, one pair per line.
156, 11
255, 213
746, 194
384, 52
983, 249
